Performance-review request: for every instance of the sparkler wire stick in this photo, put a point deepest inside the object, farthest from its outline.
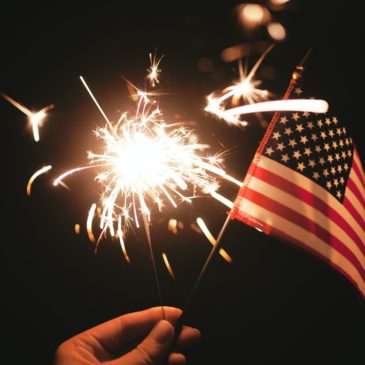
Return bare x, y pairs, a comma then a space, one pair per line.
148, 235
179, 324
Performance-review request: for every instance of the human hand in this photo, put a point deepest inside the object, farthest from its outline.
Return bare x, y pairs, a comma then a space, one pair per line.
139, 338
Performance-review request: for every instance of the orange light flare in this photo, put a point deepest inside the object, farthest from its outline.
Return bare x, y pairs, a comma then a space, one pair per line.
36, 119
211, 239
168, 266
89, 222
174, 225
39, 172
153, 71
77, 228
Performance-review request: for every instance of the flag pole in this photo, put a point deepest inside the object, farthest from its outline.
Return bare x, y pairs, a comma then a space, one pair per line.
179, 324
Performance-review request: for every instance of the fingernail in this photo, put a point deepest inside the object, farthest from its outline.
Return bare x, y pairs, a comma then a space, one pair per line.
162, 332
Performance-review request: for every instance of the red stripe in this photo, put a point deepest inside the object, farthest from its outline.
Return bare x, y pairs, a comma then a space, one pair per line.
301, 244
355, 190
353, 211
305, 223
358, 168
312, 200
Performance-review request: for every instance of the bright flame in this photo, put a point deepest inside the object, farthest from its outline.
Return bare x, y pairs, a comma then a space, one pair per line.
77, 228
144, 163
211, 239
168, 266
34, 176
36, 119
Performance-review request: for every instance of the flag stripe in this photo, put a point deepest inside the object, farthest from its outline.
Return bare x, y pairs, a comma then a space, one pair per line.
311, 191
357, 180
355, 202
347, 203
354, 185
291, 232
307, 224
353, 241
357, 166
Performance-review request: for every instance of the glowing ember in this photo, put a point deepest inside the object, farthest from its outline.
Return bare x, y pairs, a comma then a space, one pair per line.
36, 119
211, 239
35, 175
154, 71
168, 266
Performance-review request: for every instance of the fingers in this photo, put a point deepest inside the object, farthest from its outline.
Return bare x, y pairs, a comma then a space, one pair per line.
125, 330
153, 349
188, 338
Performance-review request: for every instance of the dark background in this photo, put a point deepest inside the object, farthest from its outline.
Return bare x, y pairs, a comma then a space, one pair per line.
275, 303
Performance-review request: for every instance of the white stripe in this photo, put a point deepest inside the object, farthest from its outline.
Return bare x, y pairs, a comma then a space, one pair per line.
355, 202
355, 178
311, 187
308, 211
307, 238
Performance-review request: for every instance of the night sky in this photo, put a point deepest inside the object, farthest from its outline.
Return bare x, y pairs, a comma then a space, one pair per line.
274, 303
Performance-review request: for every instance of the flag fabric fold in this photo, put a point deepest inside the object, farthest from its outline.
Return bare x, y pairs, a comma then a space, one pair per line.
306, 185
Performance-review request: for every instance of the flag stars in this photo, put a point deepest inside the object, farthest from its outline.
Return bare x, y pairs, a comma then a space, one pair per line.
331, 133
318, 149
333, 170
305, 114
295, 116
335, 182
280, 147
315, 175
322, 161
304, 139
297, 154
349, 153
346, 167
323, 135
319, 123
328, 121
329, 185
285, 158
327, 147
334, 120
298, 91
330, 158
334, 144
337, 157
342, 180
314, 137
292, 143
339, 194
343, 154
276, 135
347, 141
325, 172
269, 151
301, 166
310, 125
339, 131
339, 168
288, 131
311, 163
307, 151
299, 128
341, 143
344, 130
283, 120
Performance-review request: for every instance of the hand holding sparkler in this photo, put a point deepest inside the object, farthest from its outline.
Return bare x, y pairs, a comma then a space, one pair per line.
138, 338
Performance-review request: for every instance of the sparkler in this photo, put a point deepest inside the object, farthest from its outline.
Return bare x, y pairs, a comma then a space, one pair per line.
36, 119
143, 164
154, 71
41, 171
246, 89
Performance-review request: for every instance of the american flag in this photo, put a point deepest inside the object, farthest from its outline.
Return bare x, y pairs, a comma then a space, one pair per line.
306, 184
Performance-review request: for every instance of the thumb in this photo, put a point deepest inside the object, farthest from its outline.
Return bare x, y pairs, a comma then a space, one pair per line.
153, 349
